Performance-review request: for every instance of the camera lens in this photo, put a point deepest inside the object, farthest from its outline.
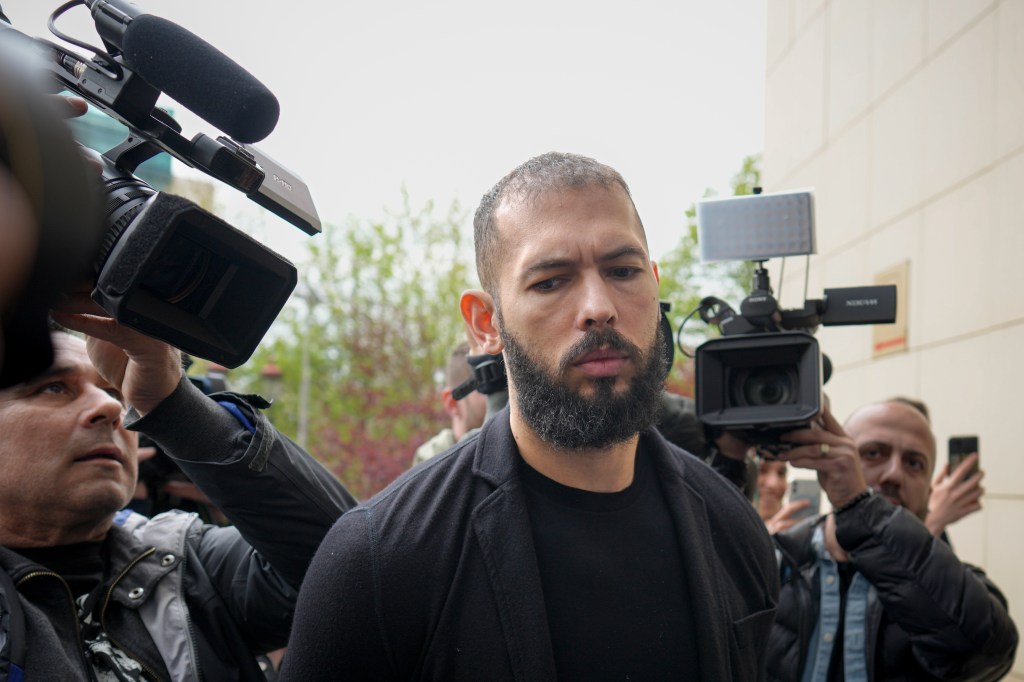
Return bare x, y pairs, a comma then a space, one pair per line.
766, 386
179, 272
125, 196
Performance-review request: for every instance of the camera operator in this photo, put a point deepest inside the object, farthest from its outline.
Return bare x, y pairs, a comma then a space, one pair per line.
89, 592
867, 591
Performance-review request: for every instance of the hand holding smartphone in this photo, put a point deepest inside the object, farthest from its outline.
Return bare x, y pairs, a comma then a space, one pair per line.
806, 489
960, 447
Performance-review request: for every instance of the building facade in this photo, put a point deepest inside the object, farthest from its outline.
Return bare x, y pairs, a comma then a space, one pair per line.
907, 118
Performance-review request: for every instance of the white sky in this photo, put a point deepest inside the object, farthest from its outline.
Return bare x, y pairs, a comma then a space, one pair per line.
446, 97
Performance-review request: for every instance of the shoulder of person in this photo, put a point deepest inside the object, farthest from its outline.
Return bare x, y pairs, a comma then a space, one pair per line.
439, 486
725, 503
699, 474
437, 444
794, 544
166, 529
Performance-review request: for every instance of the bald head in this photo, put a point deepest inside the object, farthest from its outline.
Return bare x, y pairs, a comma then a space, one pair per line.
898, 414
897, 452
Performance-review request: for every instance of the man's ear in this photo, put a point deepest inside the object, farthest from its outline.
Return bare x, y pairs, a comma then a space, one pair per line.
657, 276
451, 405
478, 311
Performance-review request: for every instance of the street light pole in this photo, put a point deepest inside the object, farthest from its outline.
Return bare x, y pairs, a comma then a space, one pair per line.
270, 380
303, 427
306, 293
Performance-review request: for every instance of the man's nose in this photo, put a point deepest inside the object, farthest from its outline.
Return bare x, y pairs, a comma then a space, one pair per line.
100, 408
892, 472
596, 307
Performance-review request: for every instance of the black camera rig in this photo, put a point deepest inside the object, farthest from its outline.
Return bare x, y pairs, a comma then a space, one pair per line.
764, 376
163, 264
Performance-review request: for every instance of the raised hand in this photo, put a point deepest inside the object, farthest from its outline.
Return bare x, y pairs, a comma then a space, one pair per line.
954, 496
142, 368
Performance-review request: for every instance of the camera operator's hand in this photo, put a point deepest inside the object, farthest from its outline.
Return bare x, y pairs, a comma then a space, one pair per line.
954, 496
732, 446
73, 107
70, 107
784, 519
142, 368
826, 448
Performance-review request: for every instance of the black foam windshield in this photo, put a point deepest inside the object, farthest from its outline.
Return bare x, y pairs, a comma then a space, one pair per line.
184, 66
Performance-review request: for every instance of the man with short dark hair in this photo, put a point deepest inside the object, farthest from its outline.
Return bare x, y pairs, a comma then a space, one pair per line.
88, 592
868, 593
567, 539
466, 414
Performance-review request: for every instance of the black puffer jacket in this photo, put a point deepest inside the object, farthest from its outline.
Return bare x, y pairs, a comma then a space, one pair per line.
933, 617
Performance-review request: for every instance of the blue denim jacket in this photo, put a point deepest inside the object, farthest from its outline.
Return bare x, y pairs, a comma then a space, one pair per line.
855, 664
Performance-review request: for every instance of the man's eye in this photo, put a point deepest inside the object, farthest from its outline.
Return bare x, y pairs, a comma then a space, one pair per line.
624, 272
870, 453
546, 285
115, 394
54, 388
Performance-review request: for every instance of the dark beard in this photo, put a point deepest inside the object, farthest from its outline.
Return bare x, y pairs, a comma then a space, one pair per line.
570, 421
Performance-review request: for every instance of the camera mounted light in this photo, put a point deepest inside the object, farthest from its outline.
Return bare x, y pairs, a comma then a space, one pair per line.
756, 226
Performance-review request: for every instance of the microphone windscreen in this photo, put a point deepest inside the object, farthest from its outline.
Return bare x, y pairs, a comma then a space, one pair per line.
200, 77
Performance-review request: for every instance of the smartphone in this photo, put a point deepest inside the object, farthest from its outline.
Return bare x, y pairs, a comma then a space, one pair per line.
959, 448
806, 489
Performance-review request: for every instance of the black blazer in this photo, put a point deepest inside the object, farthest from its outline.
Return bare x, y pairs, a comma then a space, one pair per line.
435, 578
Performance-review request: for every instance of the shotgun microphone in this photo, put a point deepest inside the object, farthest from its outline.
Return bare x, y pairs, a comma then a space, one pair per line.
187, 68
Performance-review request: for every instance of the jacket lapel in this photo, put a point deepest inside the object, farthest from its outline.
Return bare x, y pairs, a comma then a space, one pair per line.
702, 574
502, 527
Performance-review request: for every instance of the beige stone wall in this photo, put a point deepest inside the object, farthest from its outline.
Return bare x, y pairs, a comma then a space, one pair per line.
907, 117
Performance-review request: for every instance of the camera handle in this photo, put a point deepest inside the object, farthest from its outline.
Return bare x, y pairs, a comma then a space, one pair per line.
136, 149
760, 308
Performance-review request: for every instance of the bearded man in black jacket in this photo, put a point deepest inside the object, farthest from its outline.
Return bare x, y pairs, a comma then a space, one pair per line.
567, 539
867, 592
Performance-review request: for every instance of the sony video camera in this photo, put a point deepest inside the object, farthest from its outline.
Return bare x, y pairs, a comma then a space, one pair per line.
764, 376
164, 265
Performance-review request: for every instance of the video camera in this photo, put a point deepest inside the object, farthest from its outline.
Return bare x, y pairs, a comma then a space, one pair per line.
764, 376
164, 265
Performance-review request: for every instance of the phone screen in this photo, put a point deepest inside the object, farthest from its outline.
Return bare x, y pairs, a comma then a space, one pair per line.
959, 448
806, 489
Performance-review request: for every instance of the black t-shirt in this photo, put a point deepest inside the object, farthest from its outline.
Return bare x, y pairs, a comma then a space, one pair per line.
613, 581
81, 565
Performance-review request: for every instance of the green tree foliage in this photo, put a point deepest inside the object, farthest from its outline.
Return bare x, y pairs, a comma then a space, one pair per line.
376, 314
685, 280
